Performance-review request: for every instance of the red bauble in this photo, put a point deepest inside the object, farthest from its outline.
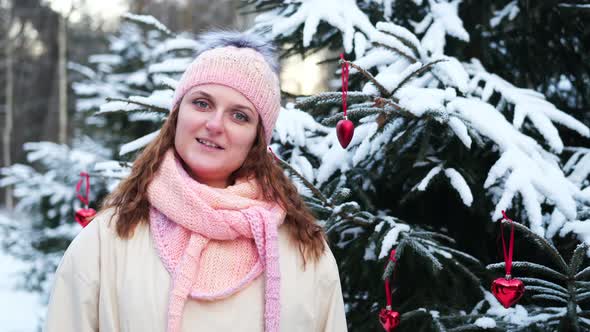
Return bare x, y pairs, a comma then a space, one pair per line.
507, 290
389, 319
84, 216
344, 131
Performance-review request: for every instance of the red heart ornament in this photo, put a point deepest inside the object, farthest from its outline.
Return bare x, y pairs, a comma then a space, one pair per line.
507, 291
389, 319
344, 131
84, 216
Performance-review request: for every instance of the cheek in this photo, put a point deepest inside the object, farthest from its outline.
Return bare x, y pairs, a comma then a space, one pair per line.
183, 135
180, 132
187, 122
244, 140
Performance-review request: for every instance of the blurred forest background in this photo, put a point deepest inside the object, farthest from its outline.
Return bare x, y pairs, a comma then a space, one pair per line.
38, 40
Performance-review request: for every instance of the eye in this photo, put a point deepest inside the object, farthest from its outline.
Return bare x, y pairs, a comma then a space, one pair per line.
240, 116
201, 103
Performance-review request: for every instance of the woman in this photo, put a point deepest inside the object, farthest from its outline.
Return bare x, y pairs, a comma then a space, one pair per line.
207, 233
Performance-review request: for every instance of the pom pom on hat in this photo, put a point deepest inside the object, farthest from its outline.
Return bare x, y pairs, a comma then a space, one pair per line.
223, 38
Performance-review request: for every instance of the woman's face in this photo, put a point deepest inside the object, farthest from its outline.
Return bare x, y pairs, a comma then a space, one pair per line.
215, 131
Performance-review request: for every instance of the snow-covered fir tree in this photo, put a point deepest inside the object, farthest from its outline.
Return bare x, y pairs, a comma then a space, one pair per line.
42, 222
441, 147
439, 141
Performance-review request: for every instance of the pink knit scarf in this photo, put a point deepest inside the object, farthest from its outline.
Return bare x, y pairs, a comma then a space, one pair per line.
213, 242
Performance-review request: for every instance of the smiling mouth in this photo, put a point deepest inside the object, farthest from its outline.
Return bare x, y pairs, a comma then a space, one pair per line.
209, 144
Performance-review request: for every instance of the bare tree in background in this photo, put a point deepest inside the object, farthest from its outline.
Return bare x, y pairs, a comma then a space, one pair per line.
34, 103
62, 80
8, 100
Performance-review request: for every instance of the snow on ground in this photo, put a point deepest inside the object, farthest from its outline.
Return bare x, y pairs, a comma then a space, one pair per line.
19, 310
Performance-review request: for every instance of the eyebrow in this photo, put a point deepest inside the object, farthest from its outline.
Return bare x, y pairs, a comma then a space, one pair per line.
237, 106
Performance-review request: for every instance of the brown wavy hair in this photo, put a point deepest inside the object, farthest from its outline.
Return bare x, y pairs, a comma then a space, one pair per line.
131, 204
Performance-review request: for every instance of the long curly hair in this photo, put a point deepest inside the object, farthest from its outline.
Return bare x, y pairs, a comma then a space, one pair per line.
131, 205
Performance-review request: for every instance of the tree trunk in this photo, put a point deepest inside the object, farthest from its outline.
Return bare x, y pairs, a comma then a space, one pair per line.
8, 111
62, 81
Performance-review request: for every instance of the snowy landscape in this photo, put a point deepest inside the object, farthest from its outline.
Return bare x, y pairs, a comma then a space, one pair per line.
18, 308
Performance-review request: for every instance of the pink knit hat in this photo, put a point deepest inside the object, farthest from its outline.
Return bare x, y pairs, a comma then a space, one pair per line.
237, 63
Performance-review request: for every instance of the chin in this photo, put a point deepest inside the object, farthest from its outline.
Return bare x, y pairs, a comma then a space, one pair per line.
208, 172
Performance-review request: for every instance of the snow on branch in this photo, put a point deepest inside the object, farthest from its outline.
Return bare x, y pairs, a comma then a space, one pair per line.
443, 19
148, 21
138, 143
533, 172
527, 104
175, 45
510, 11
342, 14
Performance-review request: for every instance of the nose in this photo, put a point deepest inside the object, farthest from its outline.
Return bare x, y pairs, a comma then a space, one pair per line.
215, 123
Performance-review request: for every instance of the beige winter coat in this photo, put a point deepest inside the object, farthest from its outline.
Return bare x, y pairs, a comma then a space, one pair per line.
105, 283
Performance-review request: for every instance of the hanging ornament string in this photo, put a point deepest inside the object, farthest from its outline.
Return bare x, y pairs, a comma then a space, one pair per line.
345, 71
84, 215
84, 199
388, 318
507, 255
387, 286
344, 127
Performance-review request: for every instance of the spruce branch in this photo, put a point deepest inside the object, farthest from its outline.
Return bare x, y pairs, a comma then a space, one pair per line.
342, 213
382, 90
327, 98
305, 182
413, 74
413, 127
582, 297
529, 267
389, 268
425, 144
548, 291
352, 115
548, 298
318, 207
421, 250
404, 41
399, 252
151, 107
259, 6
436, 323
392, 101
148, 21
465, 328
433, 235
582, 284
553, 253
166, 85
578, 257
544, 283
583, 274
459, 253
340, 195
413, 314
474, 279
395, 50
